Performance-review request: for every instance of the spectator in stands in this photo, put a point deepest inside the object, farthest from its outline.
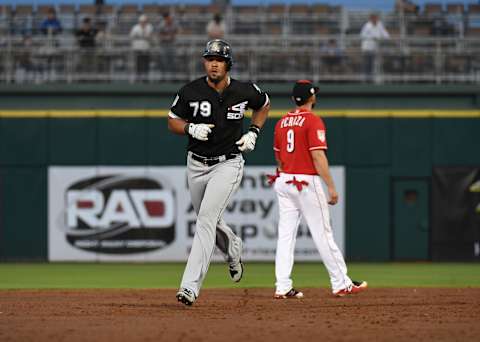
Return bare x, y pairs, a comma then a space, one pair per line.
440, 26
103, 43
86, 42
168, 33
372, 32
25, 61
86, 34
332, 56
216, 27
103, 38
51, 25
142, 36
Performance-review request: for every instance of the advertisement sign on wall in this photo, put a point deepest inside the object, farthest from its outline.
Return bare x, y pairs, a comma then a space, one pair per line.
145, 214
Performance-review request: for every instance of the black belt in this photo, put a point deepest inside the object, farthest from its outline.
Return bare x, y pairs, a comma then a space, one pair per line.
210, 161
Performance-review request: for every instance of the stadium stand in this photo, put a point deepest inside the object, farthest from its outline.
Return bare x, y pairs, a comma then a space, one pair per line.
273, 41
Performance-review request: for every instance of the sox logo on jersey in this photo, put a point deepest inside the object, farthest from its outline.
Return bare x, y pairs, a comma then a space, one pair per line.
237, 111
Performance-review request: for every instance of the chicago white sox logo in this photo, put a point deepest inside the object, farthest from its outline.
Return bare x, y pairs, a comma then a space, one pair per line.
237, 111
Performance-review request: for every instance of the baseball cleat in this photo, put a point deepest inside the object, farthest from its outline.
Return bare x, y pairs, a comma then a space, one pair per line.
236, 271
290, 294
357, 287
186, 296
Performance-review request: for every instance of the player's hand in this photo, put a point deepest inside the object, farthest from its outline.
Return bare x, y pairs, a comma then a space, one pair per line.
200, 131
247, 142
333, 196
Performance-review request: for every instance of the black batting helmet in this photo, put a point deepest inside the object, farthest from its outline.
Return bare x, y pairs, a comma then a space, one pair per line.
219, 48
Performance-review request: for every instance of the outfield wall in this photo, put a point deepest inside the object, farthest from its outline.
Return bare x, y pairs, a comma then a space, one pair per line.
389, 139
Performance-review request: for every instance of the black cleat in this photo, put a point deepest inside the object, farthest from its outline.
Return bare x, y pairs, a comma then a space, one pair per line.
236, 271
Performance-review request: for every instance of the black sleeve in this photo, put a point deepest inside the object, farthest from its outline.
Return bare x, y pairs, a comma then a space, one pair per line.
257, 97
180, 106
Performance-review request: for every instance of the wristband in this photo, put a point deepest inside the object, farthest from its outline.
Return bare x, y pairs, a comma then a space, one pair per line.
254, 128
185, 128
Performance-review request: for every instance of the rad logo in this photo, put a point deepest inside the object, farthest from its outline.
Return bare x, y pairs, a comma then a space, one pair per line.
119, 214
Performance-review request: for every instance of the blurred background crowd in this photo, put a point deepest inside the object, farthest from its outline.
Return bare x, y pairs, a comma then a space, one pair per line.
328, 41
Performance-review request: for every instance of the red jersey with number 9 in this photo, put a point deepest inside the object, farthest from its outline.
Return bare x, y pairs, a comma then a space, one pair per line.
296, 134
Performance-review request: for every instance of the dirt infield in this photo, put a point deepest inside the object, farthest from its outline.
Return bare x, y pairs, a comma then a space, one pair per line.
240, 315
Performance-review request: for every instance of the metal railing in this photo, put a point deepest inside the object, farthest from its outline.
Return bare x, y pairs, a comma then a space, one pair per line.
257, 58
343, 21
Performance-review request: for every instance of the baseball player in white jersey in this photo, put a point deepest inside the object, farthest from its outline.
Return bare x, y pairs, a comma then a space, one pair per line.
299, 145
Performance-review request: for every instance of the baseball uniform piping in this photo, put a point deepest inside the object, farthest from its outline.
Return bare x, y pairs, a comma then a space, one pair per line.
231, 190
324, 226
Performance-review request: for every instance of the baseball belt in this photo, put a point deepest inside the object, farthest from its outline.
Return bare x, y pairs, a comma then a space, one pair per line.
210, 161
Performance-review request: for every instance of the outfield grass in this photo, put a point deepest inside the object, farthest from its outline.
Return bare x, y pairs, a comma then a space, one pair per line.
168, 275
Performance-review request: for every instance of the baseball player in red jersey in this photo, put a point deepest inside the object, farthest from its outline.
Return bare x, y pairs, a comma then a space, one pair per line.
299, 144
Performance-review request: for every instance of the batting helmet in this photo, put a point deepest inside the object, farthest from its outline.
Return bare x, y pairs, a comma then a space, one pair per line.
219, 48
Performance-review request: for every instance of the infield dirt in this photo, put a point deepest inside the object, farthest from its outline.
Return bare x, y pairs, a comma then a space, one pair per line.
408, 314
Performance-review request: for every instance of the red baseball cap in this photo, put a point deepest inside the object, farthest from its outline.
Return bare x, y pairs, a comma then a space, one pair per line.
303, 89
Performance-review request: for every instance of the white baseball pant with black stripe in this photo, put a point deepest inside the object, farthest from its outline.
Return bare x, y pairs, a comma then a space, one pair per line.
310, 203
211, 189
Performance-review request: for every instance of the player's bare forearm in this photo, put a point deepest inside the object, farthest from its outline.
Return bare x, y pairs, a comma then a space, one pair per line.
176, 126
320, 162
321, 165
260, 116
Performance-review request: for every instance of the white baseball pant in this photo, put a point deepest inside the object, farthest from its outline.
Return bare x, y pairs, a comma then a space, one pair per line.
311, 203
211, 189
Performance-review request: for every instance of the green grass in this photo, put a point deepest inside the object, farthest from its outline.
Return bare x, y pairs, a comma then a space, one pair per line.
168, 275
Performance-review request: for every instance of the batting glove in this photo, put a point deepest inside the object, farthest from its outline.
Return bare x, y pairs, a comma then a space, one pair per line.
247, 142
200, 131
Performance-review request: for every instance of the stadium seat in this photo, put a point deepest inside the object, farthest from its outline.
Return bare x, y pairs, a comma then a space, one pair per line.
87, 10
473, 22
277, 10
129, 9
42, 10
474, 8
455, 8
66, 9
239, 10
127, 17
151, 9
106, 9
300, 19
22, 21
432, 9
321, 9
246, 20
24, 10
194, 9
154, 12
299, 10
275, 15
5, 11
335, 9
213, 8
